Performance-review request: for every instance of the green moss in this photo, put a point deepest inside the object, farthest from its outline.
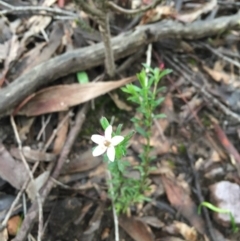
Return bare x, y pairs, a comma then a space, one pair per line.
182, 149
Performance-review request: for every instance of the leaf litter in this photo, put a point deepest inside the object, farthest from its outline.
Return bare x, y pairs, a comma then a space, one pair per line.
78, 206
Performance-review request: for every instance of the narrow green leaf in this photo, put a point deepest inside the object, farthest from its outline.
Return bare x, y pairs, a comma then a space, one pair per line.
141, 131
142, 78
119, 129
219, 210
82, 77
161, 89
160, 116
159, 101
104, 122
128, 137
164, 72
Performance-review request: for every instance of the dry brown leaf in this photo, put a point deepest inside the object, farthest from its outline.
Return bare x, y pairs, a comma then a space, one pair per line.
100, 170
87, 185
218, 75
85, 209
4, 51
157, 14
95, 220
105, 234
30, 57
43, 51
61, 134
82, 163
12, 171
13, 225
172, 239
5, 30
34, 187
181, 200
37, 24
215, 157
136, 228
219, 65
4, 235
192, 16
190, 107
165, 168
152, 221
187, 93
32, 155
168, 110
189, 233
25, 128
12, 50
12, 53
119, 103
61, 97
160, 147
9, 50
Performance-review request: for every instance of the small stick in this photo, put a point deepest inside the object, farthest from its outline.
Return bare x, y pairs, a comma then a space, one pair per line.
115, 218
119, 9
66, 117
148, 60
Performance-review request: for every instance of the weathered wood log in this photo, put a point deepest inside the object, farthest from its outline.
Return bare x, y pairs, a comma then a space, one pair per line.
123, 45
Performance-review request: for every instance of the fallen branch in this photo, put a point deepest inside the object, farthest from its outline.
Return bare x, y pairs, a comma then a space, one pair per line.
123, 45
41, 10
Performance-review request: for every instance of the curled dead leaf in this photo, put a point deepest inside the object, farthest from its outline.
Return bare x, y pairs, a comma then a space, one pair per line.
62, 97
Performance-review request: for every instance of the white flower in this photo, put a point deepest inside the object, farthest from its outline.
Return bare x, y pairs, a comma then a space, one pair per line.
106, 143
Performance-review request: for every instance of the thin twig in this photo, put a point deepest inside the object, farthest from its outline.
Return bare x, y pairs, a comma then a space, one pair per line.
106, 38
209, 225
92, 10
119, 9
44, 125
66, 117
148, 60
102, 18
203, 90
40, 224
220, 55
115, 217
130, 61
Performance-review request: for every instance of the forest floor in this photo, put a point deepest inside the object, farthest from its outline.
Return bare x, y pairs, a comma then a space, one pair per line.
55, 86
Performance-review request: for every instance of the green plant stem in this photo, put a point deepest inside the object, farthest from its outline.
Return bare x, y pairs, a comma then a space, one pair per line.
146, 156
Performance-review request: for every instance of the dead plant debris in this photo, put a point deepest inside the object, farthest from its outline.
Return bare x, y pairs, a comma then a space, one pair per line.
48, 48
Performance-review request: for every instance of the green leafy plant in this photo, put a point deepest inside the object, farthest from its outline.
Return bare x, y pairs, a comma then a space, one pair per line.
124, 190
146, 96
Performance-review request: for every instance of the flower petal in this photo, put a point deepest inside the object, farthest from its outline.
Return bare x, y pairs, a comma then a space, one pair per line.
116, 140
99, 150
98, 139
108, 133
111, 153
